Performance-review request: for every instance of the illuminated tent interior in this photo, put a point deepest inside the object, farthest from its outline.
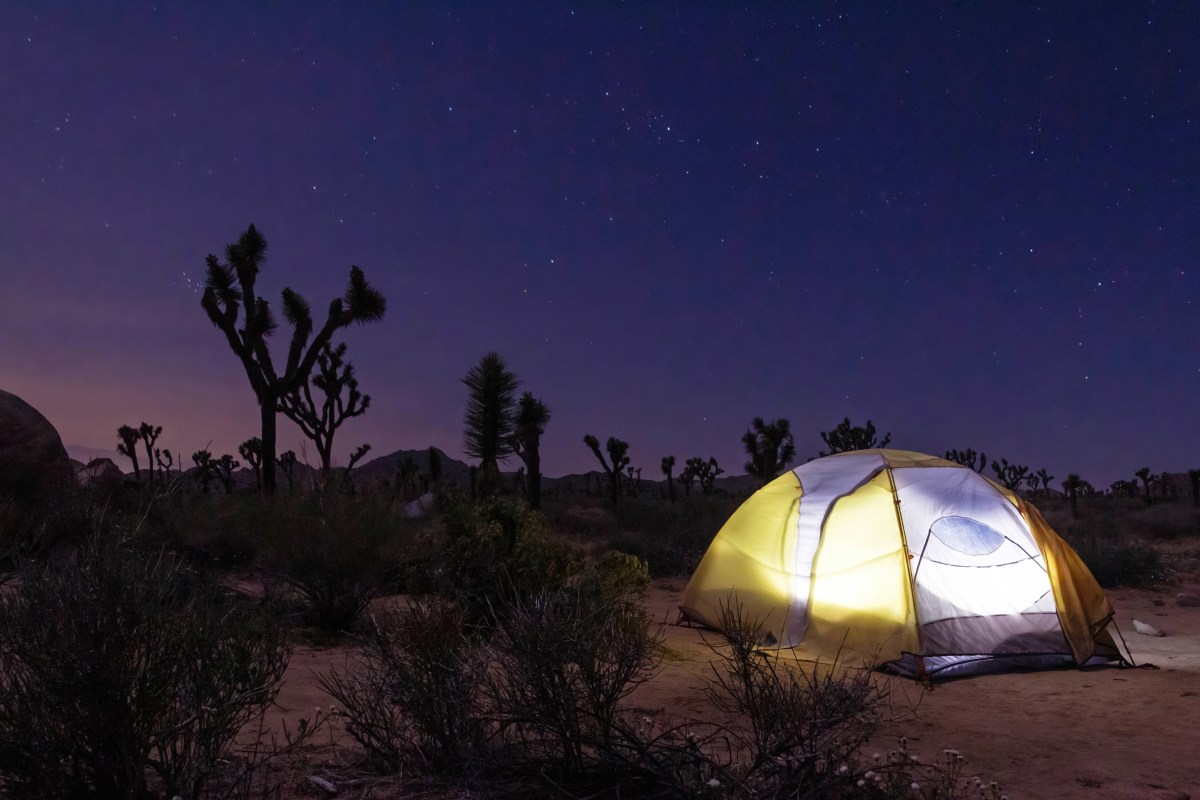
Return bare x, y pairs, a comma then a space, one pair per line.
907, 561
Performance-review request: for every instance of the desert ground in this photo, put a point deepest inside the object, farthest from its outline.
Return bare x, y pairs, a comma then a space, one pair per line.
1108, 732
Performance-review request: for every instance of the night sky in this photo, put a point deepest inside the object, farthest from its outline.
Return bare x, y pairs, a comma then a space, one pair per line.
973, 223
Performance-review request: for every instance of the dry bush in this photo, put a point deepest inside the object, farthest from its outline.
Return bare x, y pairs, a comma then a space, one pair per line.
410, 695
334, 551
117, 665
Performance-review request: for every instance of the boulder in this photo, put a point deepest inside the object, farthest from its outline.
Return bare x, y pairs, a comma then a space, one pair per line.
33, 462
99, 471
1185, 600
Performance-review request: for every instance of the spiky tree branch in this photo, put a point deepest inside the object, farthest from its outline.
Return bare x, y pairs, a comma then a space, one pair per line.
320, 422
251, 451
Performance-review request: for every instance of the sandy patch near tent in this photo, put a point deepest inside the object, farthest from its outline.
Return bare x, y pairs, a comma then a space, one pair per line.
1104, 732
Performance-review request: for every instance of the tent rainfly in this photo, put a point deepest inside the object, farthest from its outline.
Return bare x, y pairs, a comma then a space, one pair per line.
911, 562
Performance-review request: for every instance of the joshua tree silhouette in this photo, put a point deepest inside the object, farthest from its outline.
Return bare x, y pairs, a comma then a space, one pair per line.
771, 448
128, 447
489, 418
531, 419
229, 294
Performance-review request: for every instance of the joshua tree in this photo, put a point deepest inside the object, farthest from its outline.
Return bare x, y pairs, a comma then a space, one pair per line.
1071, 486
251, 451
687, 475
968, 458
668, 466
491, 392
287, 463
149, 435
1011, 476
224, 467
771, 448
617, 453
319, 423
165, 461
705, 472
1045, 477
529, 425
229, 293
1194, 479
128, 447
204, 460
1124, 488
1144, 474
846, 437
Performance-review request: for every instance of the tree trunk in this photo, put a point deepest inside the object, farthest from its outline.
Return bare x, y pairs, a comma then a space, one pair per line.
266, 405
534, 463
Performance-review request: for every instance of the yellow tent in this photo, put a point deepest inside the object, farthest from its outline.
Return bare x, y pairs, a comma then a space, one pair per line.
906, 560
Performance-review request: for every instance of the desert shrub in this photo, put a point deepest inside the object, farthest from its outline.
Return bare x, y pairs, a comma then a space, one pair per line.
799, 727
671, 537
617, 578
32, 531
499, 548
562, 662
409, 696
1117, 562
118, 665
334, 551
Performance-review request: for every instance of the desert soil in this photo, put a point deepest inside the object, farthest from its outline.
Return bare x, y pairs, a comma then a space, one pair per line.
1108, 732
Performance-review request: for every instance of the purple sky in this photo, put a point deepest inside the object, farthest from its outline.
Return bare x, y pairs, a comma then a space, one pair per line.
974, 223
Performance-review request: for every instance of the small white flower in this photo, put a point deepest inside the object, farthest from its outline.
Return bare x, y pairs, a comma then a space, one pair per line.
843, 769
713, 783
861, 784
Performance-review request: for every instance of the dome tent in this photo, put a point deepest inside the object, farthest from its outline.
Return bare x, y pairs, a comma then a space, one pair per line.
909, 561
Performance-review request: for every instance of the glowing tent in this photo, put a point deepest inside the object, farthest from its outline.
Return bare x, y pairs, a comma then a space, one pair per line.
906, 560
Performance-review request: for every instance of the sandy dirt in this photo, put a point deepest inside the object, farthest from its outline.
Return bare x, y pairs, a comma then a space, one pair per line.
1108, 732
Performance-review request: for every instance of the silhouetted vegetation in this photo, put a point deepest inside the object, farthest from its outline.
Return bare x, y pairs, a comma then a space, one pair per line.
846, 437
320, 421
127, 446
149, 434
489, 418
1010, 476
618, 459
245, 318
771, 448
968, 458
530, 423
121, 669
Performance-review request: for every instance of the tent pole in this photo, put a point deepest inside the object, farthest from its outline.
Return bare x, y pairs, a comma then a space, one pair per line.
912, 585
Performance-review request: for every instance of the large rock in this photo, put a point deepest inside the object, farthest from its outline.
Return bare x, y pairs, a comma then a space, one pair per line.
33, 462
